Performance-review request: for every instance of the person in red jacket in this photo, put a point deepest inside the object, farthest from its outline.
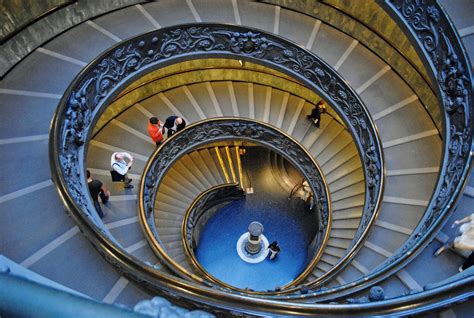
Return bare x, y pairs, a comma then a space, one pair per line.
154, 130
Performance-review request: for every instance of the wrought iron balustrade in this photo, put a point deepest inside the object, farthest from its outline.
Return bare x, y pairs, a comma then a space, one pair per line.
228, 129
101, 81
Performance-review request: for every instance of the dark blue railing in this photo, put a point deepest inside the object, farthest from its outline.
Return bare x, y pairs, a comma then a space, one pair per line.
443, 54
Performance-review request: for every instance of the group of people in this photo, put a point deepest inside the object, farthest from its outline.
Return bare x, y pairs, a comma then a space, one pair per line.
157, 129
121, 162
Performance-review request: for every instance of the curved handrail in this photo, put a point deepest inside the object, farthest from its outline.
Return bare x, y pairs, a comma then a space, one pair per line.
433, 299
35, 19
67, 155
440, 48
99, 82
442, 52
202, 203
222, 129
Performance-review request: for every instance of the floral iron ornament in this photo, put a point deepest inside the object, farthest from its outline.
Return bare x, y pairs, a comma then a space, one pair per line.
101, 81
217, 130
214, 130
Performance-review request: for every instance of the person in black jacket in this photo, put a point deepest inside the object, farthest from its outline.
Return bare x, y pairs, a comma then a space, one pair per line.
97, 189
173, 124
315, 116
274, 249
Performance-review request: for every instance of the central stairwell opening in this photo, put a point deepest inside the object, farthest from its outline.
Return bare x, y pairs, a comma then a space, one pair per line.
286, 218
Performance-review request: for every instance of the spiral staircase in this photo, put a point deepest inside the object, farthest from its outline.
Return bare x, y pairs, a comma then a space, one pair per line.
361, 249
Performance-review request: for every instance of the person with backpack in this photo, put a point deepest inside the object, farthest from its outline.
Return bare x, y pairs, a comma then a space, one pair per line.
174, 124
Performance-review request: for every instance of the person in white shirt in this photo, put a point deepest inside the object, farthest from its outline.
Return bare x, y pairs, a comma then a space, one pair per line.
464, 242
121, 166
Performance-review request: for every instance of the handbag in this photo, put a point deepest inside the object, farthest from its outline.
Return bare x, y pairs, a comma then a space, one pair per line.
116, 176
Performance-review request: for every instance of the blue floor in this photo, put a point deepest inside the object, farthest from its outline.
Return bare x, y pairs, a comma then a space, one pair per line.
287, 222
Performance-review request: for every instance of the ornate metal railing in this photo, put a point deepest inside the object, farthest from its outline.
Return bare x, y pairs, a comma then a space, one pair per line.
228, 129
199, 207
443, 54
367, 32
20, 296
103, 79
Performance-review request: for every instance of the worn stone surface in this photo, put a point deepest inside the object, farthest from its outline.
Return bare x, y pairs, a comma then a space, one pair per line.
15, 14
42, 31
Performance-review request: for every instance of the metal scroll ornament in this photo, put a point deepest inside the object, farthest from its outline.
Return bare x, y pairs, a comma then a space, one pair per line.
102, 79
217, 130
203, 203
98, 83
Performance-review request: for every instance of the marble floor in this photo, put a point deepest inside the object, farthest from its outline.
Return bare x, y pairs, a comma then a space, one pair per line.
288, 222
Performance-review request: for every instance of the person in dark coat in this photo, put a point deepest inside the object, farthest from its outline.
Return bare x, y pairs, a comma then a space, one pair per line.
315, 116
173, 124
274, 249
97, 189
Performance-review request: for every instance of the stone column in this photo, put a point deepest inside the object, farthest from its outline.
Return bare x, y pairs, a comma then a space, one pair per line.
253, 244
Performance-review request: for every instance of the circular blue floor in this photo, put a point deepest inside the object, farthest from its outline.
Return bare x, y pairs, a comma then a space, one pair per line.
217, 247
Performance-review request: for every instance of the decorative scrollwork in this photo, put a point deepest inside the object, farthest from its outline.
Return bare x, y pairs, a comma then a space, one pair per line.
89, 94
131, 57
215, 130
250, 44
84, 100
230, 129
